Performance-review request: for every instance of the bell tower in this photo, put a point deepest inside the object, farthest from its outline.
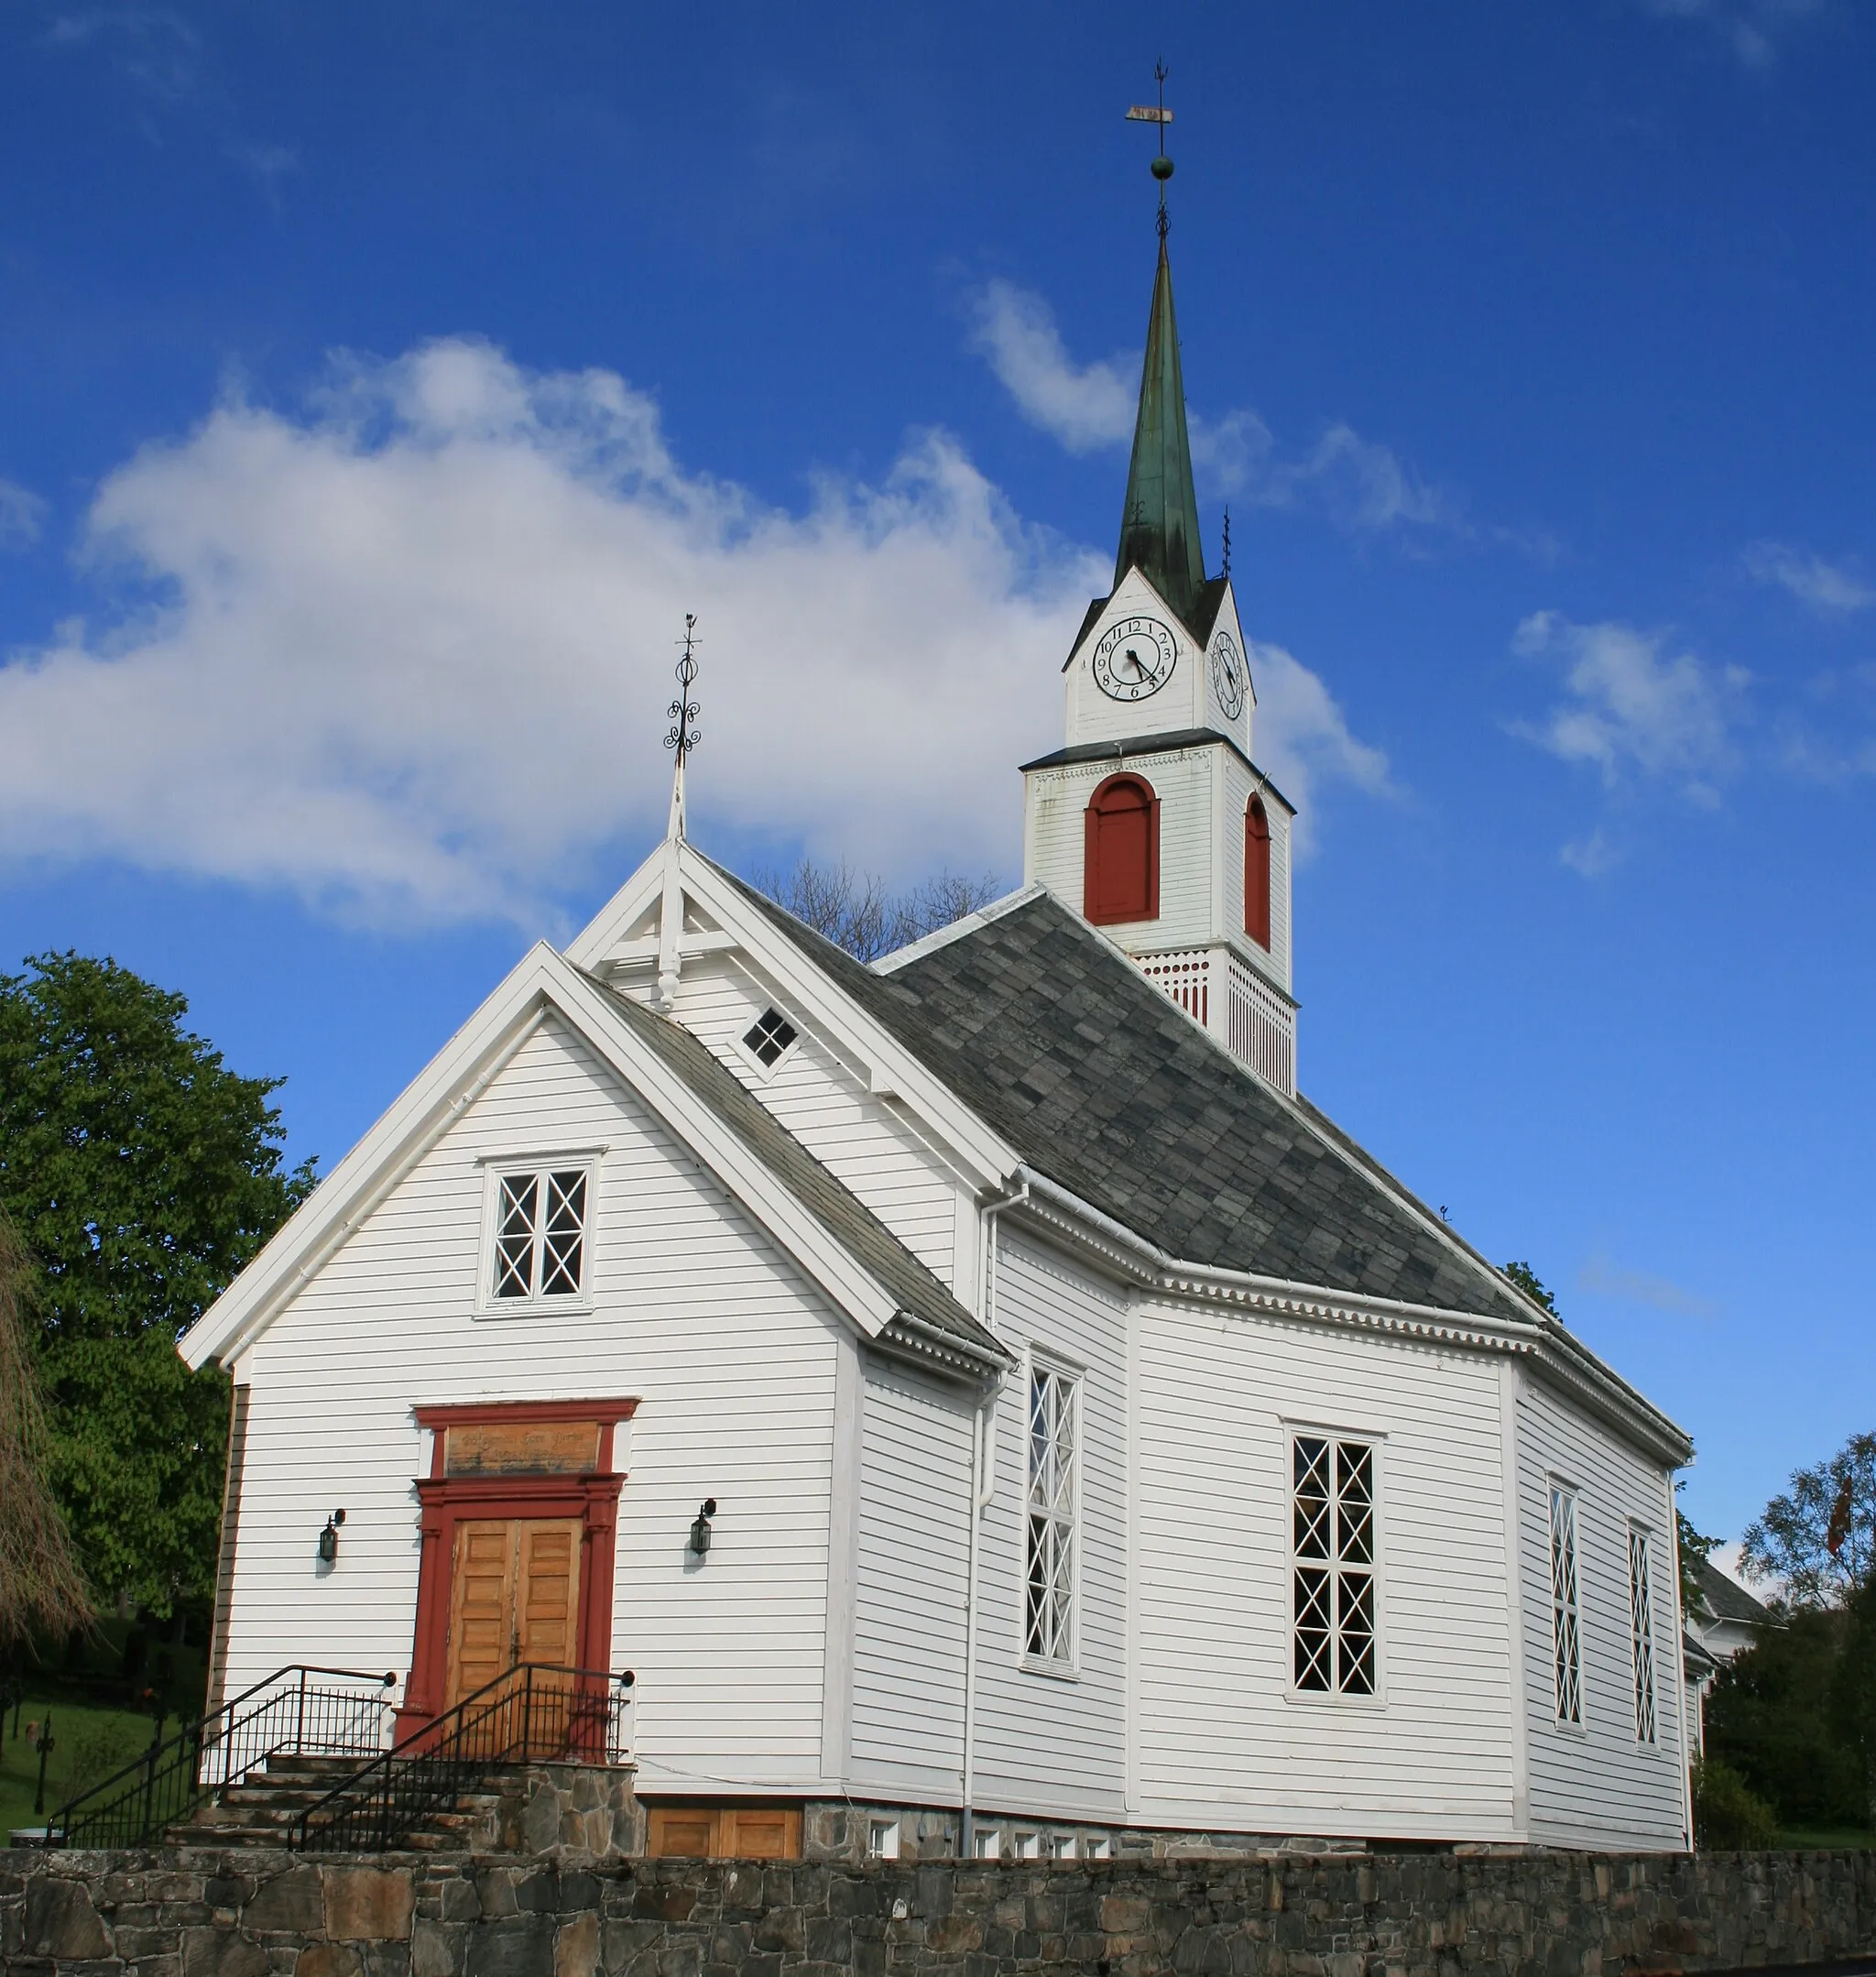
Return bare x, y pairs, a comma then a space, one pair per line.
1153, 820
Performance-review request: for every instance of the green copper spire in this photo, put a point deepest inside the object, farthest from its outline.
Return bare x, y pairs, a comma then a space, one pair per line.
1159, 526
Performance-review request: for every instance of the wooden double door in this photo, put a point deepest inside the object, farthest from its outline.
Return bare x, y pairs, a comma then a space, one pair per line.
702, 1832
514, 1597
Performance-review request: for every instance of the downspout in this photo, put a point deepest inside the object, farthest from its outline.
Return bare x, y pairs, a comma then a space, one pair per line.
983, 1488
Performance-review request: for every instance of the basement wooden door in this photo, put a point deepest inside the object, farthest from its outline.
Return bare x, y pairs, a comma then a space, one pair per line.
514, 1597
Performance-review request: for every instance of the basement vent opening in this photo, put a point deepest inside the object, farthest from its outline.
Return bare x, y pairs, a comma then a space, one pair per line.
769, 1038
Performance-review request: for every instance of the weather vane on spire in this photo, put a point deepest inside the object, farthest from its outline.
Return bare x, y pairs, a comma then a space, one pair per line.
1150, 113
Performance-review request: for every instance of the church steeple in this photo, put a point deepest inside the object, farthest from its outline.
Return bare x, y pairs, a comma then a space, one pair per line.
1159, 526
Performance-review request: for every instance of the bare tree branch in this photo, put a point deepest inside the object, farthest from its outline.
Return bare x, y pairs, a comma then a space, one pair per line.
855, 910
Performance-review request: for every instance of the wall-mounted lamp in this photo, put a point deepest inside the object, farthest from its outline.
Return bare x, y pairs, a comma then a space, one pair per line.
329, 1537
700, 1529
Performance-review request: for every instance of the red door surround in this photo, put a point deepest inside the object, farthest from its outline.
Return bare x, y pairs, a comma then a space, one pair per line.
554, 1473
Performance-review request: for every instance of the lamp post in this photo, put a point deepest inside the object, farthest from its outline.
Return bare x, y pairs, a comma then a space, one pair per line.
46, 1742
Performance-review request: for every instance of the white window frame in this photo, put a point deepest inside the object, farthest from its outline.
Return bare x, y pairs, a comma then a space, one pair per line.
1065, 1664
761, 1071
1641, 1636
986, 1843
1566, 1606
882, 1840
496, 1172
1306, 1560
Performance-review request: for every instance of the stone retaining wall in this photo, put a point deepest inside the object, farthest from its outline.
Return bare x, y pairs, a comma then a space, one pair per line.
250, 1913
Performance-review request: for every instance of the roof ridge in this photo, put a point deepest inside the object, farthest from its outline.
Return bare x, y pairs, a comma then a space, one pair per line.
1310, 1115
981, 916
932, 1301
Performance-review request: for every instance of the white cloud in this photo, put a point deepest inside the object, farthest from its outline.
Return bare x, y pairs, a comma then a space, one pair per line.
1303, 737
22, 514
269, 164
1631, 708
1590, 857
1084, 406
1750, 28
1601, 1277
1363, 486
1360, 485
153, 46
1826, 588
406, 655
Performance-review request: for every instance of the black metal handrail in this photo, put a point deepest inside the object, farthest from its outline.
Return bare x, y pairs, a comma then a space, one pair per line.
299, 1711
535, 1713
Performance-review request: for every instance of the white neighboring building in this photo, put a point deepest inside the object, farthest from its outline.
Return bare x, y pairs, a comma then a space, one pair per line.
1104, 1450
1725, 1620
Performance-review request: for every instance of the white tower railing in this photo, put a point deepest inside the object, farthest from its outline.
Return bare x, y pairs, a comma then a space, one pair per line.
1222, 994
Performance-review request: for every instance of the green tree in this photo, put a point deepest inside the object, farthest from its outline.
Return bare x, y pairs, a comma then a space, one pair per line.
1770, 1717
1792, 1540
41, 1588
143, 1175
1533, 1285
1853, 1689
1693, 1547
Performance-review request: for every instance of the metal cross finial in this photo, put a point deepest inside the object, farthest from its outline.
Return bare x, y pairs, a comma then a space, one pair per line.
682, 711
1158, 114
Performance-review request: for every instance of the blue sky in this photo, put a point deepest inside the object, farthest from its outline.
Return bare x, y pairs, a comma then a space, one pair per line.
379, 385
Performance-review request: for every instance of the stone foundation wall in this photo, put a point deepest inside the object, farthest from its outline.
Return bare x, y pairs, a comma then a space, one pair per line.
250, 1913
576, 1808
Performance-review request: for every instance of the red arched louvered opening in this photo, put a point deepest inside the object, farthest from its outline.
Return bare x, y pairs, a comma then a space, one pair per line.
1256, 872
1121, 875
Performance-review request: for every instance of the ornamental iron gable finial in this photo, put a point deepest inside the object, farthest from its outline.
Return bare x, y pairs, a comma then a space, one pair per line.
683, 737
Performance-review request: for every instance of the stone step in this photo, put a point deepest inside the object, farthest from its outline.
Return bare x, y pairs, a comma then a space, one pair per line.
261, 1814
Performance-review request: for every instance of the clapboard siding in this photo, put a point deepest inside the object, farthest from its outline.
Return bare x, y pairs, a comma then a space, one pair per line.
915, 1506
1046, 1746
1596, 1785
1240, 785
729, 1352
1182, 781
819, 1100
1220, 1738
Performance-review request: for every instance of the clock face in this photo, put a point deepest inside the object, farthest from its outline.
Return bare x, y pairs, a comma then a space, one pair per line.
1134, 659
1228, 675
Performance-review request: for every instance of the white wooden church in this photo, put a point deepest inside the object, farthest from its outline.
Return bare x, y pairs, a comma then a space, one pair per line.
1096, 1450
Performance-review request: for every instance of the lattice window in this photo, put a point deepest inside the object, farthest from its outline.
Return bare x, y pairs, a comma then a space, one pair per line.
1332, 1545
540, 1235
769, 1038
1054, 1508
1567, 1624
1641, 1632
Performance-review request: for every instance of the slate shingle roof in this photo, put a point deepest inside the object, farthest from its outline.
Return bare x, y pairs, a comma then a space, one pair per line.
1064, 1048
863, 1236
1724, 1598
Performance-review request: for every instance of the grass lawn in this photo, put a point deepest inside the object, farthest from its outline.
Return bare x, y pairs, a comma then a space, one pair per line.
1833, 1838
88, 1744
